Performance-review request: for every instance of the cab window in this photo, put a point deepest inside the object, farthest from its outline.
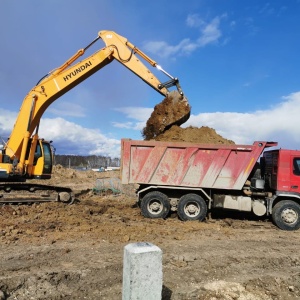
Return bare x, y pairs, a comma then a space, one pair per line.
296, 166
37, 154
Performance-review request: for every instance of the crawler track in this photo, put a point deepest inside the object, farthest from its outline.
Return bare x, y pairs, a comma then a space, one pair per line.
30, 193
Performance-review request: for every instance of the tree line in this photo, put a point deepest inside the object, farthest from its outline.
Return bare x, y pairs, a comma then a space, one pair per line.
88, 162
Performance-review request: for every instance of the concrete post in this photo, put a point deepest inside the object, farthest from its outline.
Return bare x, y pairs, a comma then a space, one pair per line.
142, 272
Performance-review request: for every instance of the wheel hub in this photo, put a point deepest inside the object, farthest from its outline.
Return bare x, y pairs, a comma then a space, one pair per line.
289, 216
191, 209
155, 207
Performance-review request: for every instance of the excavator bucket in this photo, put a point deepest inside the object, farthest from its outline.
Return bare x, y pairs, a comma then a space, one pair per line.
173, 110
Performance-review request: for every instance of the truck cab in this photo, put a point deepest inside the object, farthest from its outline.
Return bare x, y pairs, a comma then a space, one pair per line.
282, 170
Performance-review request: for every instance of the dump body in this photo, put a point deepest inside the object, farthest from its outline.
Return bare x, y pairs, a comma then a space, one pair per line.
189, 165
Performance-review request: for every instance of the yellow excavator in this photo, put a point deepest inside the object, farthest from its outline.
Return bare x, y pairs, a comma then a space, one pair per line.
26, 156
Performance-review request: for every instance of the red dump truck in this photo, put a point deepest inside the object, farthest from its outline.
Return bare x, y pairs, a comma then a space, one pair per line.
193, 179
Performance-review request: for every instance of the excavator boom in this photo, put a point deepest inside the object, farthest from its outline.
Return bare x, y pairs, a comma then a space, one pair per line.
67, 76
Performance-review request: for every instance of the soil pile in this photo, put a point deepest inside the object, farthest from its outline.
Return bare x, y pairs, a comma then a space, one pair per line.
173, 110
203, 135
166, 118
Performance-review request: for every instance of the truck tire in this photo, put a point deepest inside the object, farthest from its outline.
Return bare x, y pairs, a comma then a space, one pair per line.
191, 207
286, 215
155, 205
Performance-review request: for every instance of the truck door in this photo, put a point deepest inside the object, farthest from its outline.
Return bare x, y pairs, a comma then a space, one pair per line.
295, 174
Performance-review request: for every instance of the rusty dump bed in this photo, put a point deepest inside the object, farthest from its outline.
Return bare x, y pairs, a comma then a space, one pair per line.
189, 165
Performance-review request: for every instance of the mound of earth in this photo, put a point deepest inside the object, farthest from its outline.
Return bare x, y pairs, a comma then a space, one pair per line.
203, 135
173, 110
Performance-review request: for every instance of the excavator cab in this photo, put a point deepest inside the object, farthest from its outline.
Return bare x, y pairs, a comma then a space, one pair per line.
39, 159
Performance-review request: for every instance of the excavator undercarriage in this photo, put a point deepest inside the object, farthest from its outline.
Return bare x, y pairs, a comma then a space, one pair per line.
23, 192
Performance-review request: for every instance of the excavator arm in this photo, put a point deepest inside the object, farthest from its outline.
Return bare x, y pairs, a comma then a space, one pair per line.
67, 76
128, 58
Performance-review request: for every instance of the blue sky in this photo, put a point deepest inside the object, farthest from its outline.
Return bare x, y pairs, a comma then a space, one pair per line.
237, 61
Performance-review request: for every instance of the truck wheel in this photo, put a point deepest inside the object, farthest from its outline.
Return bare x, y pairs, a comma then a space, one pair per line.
155, 205
286, 215
191, 207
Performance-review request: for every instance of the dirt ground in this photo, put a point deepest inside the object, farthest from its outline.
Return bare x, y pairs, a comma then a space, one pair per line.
59, 251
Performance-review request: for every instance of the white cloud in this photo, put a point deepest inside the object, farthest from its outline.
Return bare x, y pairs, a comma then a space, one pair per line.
141, 114
165, 50
7, 120
210, 33
68, 137
67, 109
193, 20
126, 125
79, 140
136, 113
278, 123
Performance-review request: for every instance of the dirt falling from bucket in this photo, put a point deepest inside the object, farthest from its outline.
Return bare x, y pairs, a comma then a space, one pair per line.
173, 110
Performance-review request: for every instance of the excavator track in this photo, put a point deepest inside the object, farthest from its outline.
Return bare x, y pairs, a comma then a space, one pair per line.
32, 193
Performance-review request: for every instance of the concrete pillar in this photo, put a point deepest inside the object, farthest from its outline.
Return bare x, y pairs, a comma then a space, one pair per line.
142, 272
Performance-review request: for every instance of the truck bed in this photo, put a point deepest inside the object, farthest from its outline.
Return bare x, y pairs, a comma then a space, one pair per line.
189, 164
